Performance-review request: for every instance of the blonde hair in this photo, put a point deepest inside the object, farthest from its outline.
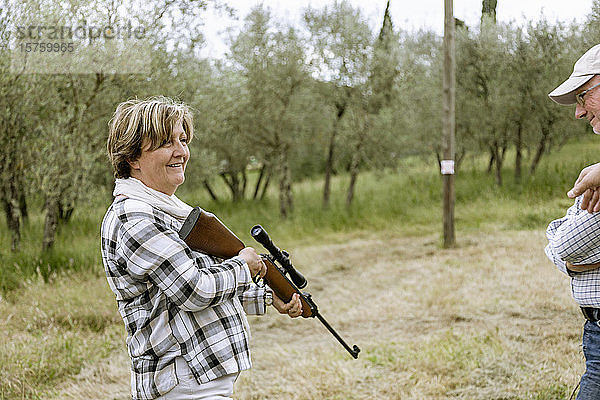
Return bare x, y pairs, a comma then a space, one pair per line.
138, 122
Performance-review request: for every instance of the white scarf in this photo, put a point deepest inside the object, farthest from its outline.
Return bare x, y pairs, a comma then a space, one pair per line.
135, 189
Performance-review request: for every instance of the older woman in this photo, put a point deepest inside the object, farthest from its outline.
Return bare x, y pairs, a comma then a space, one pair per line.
184, 312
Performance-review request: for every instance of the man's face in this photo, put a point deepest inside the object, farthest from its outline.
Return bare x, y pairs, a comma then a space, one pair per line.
591, 108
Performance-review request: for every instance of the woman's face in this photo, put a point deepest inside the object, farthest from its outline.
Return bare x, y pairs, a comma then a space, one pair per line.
163, 169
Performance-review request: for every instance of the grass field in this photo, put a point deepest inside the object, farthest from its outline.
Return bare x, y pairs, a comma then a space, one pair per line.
489, 319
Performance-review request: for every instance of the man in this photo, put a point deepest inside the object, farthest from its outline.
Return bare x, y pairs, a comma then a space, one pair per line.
574, 240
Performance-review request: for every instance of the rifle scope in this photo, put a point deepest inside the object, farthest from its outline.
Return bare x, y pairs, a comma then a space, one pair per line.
262, 237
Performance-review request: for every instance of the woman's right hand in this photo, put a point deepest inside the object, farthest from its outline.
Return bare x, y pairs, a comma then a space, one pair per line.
254, 261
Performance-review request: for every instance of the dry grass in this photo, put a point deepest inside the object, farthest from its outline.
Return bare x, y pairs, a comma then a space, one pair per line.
491, 319
47, 331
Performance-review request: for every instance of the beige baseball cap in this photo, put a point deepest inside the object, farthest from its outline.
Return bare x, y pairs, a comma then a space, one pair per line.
585, 68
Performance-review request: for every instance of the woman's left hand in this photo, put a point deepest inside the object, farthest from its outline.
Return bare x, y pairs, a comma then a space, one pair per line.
293, 308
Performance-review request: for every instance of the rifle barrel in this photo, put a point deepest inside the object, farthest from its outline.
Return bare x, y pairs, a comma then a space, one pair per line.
353, 351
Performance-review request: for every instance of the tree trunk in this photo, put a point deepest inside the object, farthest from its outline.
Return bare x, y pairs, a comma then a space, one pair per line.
285, 188
261, 175
10, 200
519, 152
489, 9
459, 159
233, 183
51, 224
266, 185
209, 190
492, 160
498, 172
541, 148
244, 183
329, 169
265, 179
498, 157
350, 194
64, 213
341, 110
23, 205
355, 164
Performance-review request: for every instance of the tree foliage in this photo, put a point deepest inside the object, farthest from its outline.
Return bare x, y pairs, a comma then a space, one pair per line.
290, 102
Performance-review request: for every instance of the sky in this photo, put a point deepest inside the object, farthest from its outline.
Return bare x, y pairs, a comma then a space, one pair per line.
406, 14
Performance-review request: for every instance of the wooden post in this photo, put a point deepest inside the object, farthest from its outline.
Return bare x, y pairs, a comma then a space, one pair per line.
449, 125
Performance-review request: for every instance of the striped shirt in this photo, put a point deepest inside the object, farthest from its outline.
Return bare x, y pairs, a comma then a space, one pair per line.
175, 301
576, 238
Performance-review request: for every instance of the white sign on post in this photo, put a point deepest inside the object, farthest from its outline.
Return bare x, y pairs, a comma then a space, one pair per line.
447, 167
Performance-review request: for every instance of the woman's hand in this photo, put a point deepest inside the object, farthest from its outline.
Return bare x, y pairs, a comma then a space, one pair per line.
255, 263
293, 308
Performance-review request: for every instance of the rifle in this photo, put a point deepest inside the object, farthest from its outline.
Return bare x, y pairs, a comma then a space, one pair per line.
204, 232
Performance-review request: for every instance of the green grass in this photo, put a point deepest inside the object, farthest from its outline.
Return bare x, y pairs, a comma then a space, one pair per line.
76, 250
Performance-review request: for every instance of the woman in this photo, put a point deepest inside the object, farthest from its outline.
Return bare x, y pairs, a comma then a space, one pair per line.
184, 312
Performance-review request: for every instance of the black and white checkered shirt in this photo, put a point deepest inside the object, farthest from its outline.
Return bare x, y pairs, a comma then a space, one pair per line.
576, 238
175, 301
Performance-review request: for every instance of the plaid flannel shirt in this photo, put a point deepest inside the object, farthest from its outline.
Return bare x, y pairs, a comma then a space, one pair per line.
576, 238
175, 301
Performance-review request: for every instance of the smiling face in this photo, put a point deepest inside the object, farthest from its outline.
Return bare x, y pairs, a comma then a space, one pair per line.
591, 108
163, 169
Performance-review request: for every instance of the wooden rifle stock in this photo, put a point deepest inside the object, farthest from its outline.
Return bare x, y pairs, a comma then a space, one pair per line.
204, 232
